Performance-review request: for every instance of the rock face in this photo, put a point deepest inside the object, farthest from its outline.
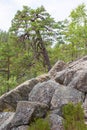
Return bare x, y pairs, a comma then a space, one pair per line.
60, 65
75, 75
63, 95
43, 92
27, 112
44, 96
10, 99
5, 119
79, 80
24, 127
56, 122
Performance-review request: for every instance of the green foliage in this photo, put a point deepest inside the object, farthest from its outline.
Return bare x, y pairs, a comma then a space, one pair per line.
7, 85
35, 42
76, 33
40, 124
35, 30
72, 37
73, 117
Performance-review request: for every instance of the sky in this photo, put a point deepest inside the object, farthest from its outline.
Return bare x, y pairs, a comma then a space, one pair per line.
59, 9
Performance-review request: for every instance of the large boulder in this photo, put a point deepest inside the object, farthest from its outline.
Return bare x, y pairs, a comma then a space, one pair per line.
74, 75
26, 112
9, 100
49, 92
63, 95
65, 77
79, 81
43, 92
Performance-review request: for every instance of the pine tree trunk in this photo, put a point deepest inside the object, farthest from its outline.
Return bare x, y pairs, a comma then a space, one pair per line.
44, 51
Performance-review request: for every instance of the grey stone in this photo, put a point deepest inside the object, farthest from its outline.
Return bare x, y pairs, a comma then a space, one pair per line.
57, 111
43, 92
79, 80
63, 84
65, 77
74, 75
56, 122
9, 100
64, 95
60, 65
23, 127
5, 119
42, 78
60, 77
79, 64
28, 111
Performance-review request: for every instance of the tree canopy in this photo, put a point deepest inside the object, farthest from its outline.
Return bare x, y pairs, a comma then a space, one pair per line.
35, 42
35, 30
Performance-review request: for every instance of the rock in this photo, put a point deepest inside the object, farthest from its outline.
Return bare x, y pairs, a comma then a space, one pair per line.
79, 80
60, 65
43, 92
42, 78
74, 75
56, 122
49, 92
25, 88
79, 64
26, 112
65, 77
24, 127
10, 99
57, 111
60, 76
64, 95
5, 119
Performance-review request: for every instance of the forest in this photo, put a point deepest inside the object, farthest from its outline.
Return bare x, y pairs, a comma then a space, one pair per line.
35, 42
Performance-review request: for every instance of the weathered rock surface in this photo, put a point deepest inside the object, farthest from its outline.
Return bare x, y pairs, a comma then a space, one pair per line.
43, 92
65, 77
10, 99
63, 95
47, 93
23, 127
42, 78
5, 119
59, 66
56, 122
79, 80
75, 75
56, 111
27, 112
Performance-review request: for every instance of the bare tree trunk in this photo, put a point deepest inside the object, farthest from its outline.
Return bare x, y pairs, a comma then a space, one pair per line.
44, 51
8, 72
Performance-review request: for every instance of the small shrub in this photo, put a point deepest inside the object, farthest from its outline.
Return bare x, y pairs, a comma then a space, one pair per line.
40, 124
73, 117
